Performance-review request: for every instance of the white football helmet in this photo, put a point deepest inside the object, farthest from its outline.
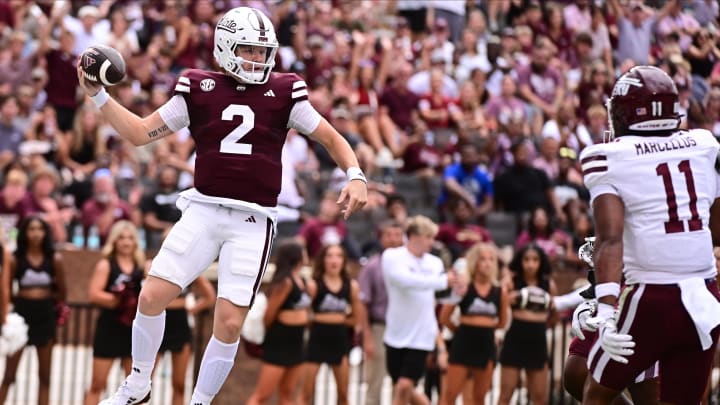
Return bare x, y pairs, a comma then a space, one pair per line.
245, 26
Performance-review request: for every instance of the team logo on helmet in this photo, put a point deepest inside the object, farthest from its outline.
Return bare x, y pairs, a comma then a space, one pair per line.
623, 85
229, 25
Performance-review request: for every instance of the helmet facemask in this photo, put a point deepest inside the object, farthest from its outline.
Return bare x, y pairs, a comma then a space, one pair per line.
609, 135
257, 72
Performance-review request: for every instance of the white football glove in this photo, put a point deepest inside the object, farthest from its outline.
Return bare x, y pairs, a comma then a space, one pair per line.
582, 313
617, 345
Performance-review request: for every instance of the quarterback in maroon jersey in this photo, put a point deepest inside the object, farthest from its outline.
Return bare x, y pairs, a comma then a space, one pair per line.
238, 118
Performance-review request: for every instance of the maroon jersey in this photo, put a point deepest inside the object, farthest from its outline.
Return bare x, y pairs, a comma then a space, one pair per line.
239, 131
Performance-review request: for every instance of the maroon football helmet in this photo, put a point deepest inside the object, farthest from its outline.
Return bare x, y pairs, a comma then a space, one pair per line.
644, 101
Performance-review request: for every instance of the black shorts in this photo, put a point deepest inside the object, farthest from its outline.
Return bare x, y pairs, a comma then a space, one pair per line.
283, 345
328, 343
65, 117
407, 363
112, 339
473, 346
525, 346
177, 331
40, 317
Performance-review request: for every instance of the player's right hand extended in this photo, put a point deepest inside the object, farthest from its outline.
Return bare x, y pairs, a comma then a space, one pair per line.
88, 87
580, 316
617, 345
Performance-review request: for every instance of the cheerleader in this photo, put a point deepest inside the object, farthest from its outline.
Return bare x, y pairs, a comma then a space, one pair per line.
525, 345
286, 317
335, 295
40, 275
484, 306
115, 288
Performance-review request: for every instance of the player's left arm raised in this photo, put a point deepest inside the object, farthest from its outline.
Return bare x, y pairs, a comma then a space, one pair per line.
354, 195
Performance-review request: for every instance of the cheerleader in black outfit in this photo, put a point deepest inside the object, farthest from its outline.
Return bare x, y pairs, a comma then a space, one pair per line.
114, 288
484, 306
335, 296
40, 275
286, 317
525, 345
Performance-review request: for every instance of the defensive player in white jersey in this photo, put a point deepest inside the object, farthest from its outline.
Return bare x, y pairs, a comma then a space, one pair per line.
652, 190
239, 118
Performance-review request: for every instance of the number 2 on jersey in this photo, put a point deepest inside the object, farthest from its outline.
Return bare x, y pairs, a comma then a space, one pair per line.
229, 143
674, 224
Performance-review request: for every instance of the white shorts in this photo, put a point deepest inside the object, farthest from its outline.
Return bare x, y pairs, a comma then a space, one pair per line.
241, 238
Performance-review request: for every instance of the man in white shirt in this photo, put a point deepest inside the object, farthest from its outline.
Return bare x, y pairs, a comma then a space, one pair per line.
412, 276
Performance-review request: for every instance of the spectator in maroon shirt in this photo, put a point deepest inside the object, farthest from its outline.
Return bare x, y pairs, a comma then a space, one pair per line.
420, 156
437, 110
594, 89
462, 232
105, 207
40, 200
397, 102
62, 74
327, 228
318, 65
540, 84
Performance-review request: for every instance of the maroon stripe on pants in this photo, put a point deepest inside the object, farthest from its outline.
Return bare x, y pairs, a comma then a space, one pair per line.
269, 236
621, 318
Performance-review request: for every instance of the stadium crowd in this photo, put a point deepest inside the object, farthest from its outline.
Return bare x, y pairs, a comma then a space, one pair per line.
472, 113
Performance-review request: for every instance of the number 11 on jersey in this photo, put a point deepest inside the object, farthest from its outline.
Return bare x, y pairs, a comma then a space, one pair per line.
674, 225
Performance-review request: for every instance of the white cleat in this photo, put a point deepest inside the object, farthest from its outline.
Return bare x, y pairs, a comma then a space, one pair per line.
126, 395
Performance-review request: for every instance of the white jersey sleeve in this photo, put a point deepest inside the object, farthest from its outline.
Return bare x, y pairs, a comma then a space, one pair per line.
175, 113
667, 185
304, 118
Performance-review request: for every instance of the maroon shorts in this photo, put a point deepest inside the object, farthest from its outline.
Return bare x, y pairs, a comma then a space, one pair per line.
663, 331
581, 348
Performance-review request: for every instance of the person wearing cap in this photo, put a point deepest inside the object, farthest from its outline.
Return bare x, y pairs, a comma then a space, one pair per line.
419, 83
61, 65
87, 28
452, 11
439, 42
40, 200
541, 84
635, 29
676, 20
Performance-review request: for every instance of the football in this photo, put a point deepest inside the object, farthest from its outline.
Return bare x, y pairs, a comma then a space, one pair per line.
103, 65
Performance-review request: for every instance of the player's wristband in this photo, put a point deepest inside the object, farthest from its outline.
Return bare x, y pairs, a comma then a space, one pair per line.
605, 289
355, 173
100, 98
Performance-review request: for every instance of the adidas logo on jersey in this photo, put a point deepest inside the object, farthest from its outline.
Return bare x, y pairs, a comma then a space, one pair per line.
270, 93
251, 219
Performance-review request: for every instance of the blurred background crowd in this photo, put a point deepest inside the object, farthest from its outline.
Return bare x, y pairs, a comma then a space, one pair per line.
470, 112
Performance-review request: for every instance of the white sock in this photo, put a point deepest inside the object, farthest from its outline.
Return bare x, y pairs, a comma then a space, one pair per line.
216, 364
147, 335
